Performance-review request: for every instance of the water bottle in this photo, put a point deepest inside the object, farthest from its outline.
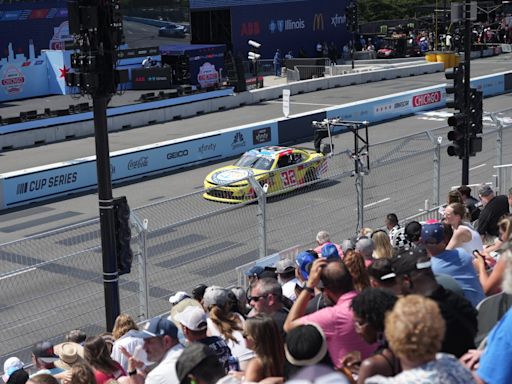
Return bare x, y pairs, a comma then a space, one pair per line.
233, 364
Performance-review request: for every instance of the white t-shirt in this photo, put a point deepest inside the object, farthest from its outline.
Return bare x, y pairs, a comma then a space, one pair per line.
134, 345
165, 372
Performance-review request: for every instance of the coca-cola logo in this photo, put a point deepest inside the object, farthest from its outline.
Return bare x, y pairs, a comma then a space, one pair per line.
426, 99
141, 162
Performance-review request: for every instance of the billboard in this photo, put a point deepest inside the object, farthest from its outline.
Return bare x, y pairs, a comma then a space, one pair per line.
44, 23
209, 4
289, 26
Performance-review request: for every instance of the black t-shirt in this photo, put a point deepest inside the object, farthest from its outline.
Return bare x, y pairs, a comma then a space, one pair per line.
316, 303
280, 317
490, 215
220, 348
461, 321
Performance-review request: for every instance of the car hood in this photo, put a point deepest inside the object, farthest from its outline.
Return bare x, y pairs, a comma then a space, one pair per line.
231, 174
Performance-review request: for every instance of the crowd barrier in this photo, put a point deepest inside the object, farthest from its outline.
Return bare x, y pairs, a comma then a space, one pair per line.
52, 283
46, 182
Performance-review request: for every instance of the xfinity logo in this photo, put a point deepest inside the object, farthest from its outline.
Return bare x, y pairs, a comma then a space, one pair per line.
207, 147
286, 25
338, 20
175, 155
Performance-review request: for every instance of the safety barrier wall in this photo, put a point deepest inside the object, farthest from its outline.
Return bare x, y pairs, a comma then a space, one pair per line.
45, 182
80, 124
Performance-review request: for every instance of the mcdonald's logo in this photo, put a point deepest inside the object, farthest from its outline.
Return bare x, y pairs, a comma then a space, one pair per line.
318, 22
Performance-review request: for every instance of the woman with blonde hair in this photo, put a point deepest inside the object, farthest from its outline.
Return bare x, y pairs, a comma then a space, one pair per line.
262, 335
382, 245
415, 331
123, 339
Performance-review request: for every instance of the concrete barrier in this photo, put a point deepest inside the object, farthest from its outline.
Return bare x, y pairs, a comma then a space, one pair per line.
45, 182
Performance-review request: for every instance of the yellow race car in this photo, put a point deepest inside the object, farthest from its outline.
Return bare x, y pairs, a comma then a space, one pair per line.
281, 168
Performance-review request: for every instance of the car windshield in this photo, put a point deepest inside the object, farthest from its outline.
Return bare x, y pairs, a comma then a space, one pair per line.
257, 162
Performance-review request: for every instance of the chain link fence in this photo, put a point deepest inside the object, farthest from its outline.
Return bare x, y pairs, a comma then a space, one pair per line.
52, 283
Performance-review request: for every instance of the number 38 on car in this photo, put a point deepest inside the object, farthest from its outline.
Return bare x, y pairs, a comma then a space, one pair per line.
281, 168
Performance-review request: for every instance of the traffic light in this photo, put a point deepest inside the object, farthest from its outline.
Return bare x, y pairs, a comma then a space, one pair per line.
351, 17
475, 112
457, 89
458, 136
123, 235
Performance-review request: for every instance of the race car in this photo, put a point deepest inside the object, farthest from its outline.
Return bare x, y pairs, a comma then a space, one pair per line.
281, 168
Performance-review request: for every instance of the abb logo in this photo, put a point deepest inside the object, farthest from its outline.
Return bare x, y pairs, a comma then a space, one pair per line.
251, 28
426, 99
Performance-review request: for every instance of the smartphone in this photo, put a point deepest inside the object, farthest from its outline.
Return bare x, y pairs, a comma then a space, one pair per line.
477, 254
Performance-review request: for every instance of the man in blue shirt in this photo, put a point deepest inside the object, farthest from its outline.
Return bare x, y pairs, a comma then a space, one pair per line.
277, 63
456, 263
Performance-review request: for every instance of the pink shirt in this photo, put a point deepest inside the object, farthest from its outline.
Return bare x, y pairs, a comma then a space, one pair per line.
338, 248
337, 322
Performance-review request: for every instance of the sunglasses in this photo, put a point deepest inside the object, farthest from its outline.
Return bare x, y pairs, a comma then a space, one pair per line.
256, 298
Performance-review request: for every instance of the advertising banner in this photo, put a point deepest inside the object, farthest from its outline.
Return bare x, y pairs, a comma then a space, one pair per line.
290, 26
22, 187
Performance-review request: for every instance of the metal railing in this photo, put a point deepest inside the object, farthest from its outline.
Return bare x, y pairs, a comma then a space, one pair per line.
52, 283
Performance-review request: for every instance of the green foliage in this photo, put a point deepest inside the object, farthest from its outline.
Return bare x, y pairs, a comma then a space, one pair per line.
372, 10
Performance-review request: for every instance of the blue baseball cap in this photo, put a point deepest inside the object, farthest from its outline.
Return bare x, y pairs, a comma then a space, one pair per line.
256, 270
303, 260
329, 251
432, 233
157, 326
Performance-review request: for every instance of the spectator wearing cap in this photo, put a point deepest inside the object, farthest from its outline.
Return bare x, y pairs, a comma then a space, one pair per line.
193, 321
198, 292
413, 234
124, 328
285, 270
253, 273
494, 208
161, 344
337, 322
178, 296
365, 247
456, 263
44, 357
413, 269
382, 275
324, 237
415, 330
306, 346
304, 260
69, 354
267, 298
14, 373
396, 232
199, 364
225, 323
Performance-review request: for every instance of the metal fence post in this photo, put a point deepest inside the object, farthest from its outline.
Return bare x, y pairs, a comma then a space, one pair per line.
143, 274
261, 193
360, 200
499, 150
436, 185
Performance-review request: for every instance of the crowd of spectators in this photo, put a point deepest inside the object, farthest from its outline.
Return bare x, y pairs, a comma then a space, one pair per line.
404, 304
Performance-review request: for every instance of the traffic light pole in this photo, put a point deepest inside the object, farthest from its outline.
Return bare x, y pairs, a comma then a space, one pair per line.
106, 208
467, 88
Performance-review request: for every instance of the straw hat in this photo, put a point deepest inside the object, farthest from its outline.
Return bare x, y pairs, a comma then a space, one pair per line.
69, 354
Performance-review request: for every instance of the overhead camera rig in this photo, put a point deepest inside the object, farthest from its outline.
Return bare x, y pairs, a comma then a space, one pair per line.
324, 129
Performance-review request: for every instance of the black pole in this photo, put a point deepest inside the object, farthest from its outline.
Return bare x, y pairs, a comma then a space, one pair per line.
353, 48
106, 207
467, 89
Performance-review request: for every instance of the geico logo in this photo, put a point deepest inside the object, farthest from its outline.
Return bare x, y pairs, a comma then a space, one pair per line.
174, 155
318, 22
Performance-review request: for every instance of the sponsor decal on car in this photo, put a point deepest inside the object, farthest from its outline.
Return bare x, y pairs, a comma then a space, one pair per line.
230, 175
